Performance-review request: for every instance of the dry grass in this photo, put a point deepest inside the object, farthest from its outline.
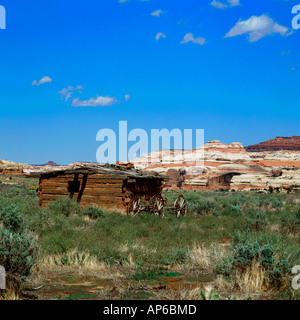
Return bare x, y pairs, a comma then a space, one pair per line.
246, 283
252, 279
88, 219
223, 285
193, 294
206, 258
10, 294
74, 259
203, 258
274, 227
249, 282
76, 262
207, 292
126, 248
13, 289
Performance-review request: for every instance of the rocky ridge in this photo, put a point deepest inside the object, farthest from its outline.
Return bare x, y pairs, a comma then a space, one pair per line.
278, 143
215, 165
218, 165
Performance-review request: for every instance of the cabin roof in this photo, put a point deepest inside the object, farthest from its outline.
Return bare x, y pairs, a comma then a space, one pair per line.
112, 171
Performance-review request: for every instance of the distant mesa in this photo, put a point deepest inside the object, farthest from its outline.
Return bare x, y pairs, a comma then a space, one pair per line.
51, 163
277, 144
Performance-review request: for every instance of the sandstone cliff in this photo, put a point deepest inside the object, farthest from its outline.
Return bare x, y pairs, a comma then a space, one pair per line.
9, 167
218, 165
215, 165
279, 143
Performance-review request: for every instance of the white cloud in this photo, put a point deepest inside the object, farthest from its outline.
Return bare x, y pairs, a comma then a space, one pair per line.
45, 79
68, 92
257, 28
159, 36
127, 97
99, 101
189, 37
218, 4
157, 13
221, 5
234, 3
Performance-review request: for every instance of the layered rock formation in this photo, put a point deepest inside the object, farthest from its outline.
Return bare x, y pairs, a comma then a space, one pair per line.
215, 165
218, 165
11, 168
279, 143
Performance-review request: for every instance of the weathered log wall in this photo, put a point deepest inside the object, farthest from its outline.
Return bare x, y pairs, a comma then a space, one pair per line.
103, 190
93, 190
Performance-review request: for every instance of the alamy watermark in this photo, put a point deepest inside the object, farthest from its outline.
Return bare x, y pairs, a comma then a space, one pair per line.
2, 278
295, 281
162, 147
2, 17
296, 19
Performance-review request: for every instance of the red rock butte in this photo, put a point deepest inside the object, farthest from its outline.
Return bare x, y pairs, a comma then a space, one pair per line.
277, 144
52, 164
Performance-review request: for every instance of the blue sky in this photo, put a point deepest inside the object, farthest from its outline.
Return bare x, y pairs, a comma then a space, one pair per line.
70, 68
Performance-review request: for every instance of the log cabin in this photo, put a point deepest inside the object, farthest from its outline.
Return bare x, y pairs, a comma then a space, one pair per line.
107, 186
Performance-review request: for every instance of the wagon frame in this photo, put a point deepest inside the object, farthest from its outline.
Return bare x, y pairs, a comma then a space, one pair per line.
156, 205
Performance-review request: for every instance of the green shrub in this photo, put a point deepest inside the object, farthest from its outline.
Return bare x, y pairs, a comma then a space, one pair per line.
224, 267
290, 221
17, 254
276, 203
18, 249
285, 248
233, 210
244, 254
175, 256
64, 206
277, 270
206, 207
236, 208
12, 219
278, 273
263, 203
256, 220
94, 212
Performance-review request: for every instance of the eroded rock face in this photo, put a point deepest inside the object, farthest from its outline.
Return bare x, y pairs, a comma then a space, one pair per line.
9, 167
215, 165
288, 179
279, 143
225, 166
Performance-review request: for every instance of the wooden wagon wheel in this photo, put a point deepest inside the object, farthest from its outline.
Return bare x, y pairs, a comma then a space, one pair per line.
157, 205
133, 207
180, 206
